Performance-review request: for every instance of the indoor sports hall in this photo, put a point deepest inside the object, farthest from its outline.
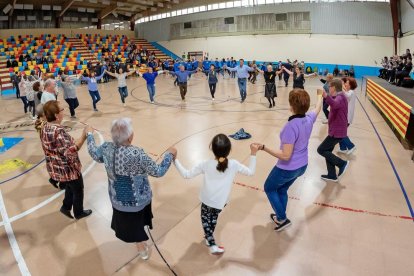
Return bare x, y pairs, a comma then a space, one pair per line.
112, 162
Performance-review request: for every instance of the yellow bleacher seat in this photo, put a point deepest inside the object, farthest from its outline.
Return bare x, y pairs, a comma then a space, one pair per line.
19, 63
27, 72
40, 66
31, 67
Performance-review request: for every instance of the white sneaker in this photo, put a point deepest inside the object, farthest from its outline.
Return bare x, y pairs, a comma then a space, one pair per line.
212, 99
351, 150
343, 151
216, 250
152, 102
325, 121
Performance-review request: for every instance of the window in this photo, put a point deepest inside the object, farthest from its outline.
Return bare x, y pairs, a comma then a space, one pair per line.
245, 3
281, 16
270, 1
168, 14
209, 7
229, 20
261, 2
230, 4
222, 5
203, 8
187, 25
164, 15
196, 9
190, 10
215, 6
179, 12
184, 11
174, 13
237, 3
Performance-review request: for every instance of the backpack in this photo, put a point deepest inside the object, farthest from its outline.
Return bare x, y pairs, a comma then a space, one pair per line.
407, 83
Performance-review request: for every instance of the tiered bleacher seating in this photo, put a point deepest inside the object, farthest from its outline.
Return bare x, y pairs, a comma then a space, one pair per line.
144, 44
64, 58
81, 48
116, 44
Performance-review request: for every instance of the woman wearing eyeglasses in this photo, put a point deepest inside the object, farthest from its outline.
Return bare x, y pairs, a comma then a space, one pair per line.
62, 159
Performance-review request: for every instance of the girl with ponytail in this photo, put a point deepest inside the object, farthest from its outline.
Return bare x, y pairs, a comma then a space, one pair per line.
219, 174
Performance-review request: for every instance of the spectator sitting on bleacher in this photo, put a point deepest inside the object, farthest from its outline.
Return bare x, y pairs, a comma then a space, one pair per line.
405, 72
9, 64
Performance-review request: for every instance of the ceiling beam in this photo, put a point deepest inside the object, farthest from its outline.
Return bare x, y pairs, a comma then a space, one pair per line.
106, 11
12, 2
66, 6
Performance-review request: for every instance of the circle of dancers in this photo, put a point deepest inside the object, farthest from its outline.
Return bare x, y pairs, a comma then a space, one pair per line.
129, 186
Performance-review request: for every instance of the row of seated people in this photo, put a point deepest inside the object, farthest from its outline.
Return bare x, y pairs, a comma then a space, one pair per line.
396, 69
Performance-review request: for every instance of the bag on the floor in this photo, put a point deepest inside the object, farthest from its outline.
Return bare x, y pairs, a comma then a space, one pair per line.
407, 83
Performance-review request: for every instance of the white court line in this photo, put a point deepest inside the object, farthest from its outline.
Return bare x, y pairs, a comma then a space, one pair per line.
47, 201
12, 239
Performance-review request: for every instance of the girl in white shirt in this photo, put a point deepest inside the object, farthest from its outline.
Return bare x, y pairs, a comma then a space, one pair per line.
219, 174
122, 86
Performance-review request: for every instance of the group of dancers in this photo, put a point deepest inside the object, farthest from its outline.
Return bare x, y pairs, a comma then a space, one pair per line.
130, 192
69, 84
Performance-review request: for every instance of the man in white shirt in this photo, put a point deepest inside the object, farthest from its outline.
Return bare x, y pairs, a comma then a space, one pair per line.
49, 93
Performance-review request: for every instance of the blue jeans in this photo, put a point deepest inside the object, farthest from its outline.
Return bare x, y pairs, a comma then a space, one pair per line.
276, 186
151, 91
346, 144
25, 103
123, 91
95, 97
242, 88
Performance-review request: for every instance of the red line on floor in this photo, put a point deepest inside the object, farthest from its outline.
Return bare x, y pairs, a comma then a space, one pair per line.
326, 205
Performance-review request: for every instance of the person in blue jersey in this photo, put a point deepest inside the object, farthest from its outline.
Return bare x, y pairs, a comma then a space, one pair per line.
182, 79
195, 64
149, 77
233, 63
242, 74
206, 66
176, 67
93, 87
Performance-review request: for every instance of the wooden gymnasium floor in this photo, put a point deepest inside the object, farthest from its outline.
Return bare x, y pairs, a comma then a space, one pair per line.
360, 226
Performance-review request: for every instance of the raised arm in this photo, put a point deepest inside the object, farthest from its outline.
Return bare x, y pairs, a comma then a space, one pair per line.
94, 151
196, 170
100, 77
310, 75
287, 71
154, 169
318, 106
110, 73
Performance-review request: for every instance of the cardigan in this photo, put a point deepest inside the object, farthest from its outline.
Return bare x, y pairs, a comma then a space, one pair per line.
127, 168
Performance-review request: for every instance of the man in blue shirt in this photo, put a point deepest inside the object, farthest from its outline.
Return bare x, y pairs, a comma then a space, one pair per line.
206, 66
242, 75
182, 78
149, 77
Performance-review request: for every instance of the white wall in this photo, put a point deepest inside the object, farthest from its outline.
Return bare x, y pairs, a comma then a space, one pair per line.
330, 49
406, 42
407, 16
348, 18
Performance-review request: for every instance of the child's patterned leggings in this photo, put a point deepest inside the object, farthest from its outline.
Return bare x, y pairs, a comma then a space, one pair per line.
209, 218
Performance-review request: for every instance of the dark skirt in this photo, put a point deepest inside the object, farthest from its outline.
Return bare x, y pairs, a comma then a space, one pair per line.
270, 90
129, 227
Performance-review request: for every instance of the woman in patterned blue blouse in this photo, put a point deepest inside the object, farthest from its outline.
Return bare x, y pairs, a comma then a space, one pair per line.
128, 167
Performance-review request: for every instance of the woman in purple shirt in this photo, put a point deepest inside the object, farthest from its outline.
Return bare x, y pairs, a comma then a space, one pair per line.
292, 155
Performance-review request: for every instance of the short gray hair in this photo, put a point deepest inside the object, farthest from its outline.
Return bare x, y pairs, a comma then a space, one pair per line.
121, 130
48, 83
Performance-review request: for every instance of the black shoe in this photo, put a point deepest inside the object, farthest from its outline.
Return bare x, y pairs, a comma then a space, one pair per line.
66, 212
329, 178
54, 183
84, 214
282, 226
343, 169
273, 217
270, 105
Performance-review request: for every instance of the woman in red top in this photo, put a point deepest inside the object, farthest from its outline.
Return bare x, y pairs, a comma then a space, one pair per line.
62, 159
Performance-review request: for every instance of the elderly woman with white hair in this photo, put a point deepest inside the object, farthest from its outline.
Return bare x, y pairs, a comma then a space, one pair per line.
128, 167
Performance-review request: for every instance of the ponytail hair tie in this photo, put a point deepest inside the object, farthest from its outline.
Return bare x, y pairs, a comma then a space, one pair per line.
221, 159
